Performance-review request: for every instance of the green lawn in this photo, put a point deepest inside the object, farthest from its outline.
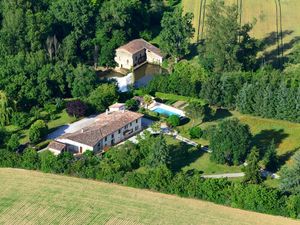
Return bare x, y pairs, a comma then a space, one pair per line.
61, 119
285, 134
173, 98
195, 159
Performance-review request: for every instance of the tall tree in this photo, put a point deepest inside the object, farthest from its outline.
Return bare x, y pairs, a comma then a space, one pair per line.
252, 173
222, 50
270, 158
5, 109
290, 176
159, 154
177, 30
230, 142
196, 110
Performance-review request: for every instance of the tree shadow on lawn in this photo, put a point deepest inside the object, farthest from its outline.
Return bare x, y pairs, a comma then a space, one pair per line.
183, 155
286, 156
221, 114
265, 137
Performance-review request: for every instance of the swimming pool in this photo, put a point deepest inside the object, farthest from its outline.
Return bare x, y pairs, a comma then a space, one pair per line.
165, 112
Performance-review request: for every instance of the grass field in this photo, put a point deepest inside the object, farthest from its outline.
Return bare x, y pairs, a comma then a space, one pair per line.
265, 14
285, 134
62, 118
29, 197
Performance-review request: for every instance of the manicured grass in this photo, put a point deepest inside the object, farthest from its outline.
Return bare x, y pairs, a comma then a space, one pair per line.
29, 197
265, 14
285, 134
196, 159
61, 119
174, 98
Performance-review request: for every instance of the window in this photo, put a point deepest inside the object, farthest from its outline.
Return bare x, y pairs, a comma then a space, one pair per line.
120, 131
105, 139
136, 121
112, 136
130, 124
136, 128
126, 126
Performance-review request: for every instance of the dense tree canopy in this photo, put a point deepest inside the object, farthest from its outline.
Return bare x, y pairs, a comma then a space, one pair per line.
228, 46
177, 30
230, 142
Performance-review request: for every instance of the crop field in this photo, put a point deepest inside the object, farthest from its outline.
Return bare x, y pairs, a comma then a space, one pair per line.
264, 13
29, 197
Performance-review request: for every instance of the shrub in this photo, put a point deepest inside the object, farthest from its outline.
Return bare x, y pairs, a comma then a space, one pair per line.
132, 104
30, 159
195, 132
13, 143
103, 96
230, 142
38, 131
20, 119
76, 108
173, 121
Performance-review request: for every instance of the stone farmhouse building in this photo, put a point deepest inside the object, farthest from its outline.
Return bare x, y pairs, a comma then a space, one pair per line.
109, 128
136, 53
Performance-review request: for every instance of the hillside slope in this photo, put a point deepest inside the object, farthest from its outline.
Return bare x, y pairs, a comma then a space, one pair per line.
265, 14
29, 197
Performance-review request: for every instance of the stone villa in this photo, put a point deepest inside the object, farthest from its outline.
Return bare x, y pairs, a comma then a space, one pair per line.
109, 128
136, 53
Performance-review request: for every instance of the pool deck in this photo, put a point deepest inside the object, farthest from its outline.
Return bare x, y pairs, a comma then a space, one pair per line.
156, 105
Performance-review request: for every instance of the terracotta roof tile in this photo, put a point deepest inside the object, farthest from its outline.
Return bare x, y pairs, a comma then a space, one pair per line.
139, 44
105, 124
56, 145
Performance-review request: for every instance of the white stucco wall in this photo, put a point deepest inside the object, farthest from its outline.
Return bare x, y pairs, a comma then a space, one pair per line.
154, 58
74, 146
124, 59
54, 151
117, 136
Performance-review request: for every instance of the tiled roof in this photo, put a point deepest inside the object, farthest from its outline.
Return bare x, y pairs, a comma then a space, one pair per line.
139, 44
56, 145
105, 124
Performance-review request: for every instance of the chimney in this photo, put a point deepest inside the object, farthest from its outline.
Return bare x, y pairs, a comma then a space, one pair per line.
107, 111
81, 130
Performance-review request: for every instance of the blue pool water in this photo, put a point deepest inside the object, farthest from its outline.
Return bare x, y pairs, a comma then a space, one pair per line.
165, 112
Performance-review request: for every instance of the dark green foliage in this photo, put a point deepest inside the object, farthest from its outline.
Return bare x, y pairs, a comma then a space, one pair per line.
47, 161
38, 131
189, 75
159, 152
195, 132
290, 179
3, 135
9, 159
30, 159
177, 30
270, 159
196, 110
258, 198
227, 47
13, 142
103, 96
132, 104
20, 119
230, 142
173, 121
252, 170
84, 81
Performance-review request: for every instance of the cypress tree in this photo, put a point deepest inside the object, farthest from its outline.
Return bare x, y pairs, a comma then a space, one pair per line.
252, 173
